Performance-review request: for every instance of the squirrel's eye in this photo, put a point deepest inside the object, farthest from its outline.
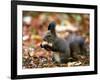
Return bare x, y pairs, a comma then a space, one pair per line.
48, 36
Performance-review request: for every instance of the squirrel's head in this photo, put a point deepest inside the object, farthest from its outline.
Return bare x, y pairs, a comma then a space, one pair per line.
50, 36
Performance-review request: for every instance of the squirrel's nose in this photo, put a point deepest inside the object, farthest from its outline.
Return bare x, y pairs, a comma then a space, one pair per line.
44, 39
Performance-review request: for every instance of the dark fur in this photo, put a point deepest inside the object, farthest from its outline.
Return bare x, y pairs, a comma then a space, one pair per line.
69, 48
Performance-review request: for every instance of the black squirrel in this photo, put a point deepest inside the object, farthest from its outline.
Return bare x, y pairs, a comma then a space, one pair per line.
68, 48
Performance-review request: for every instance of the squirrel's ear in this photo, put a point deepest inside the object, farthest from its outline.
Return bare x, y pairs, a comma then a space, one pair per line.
51, 27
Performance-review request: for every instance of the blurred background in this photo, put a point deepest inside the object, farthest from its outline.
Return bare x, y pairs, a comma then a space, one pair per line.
35, 25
